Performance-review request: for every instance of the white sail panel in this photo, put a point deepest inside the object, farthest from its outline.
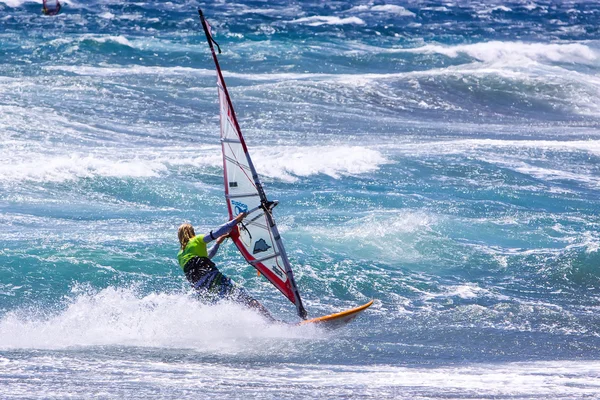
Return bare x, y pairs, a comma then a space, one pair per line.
253, 237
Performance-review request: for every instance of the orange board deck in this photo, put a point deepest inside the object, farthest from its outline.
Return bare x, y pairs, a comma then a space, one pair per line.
338, 319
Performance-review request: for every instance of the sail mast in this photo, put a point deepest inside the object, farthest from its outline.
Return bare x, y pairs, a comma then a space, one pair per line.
265, 204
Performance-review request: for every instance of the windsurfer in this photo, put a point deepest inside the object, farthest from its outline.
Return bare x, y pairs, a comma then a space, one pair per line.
51, 9
195, 260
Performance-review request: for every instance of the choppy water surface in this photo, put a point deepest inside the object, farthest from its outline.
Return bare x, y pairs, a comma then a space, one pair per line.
440, 157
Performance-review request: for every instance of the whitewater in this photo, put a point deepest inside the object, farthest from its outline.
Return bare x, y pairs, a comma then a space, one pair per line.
442, 158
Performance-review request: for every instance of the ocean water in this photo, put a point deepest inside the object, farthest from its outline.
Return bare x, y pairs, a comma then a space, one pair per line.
440, 157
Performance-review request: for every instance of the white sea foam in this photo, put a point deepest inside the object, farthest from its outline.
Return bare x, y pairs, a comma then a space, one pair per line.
551, 174
464, 145
326, 20
19, 3
114, 70
392, 236
383, 8
120, 39
140, 43
288, 163
107, 15
393, 9
352, 80
26, 163
291, 10
494, 151
465, 291
131, 17
533, 6
516, 53
590, 241
491, 10
128, 70
510, 60
111, 377
116, 316
65, 167
438, 8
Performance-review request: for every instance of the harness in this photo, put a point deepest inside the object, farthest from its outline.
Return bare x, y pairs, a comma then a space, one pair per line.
197, 268
211, 285
207, 279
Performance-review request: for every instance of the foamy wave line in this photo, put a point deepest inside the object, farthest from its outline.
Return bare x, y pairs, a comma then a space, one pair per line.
121, 375
548, 174
346, 79
491, 10
514, 52
128, 70
504, 69
384, 8
115, 70
460, 146
485, 149
285, 163
291, 10
399, 235
139, 43
319, 20
120, 39
507, 53
288, 163
44, 168
14, 3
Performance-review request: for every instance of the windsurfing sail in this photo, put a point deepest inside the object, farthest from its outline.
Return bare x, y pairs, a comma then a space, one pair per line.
258, 238
51, 7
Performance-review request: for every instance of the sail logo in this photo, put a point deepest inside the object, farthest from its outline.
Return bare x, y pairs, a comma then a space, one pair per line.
239, 207
260, 246
277, 271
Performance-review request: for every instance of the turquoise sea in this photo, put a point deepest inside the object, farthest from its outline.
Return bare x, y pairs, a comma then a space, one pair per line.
441, 157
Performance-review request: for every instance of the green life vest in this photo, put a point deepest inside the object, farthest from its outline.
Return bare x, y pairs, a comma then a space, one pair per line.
195, 247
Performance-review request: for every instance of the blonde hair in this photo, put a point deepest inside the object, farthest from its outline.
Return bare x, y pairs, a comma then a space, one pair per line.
185, 233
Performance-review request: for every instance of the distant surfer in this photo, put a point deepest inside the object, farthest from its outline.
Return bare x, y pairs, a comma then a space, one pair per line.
195, 260
48, 9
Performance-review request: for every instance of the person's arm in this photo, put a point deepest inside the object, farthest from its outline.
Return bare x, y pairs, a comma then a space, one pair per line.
213, 250
223, 229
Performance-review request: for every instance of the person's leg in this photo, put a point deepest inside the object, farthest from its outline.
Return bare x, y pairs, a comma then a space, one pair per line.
223, 287
241, 296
